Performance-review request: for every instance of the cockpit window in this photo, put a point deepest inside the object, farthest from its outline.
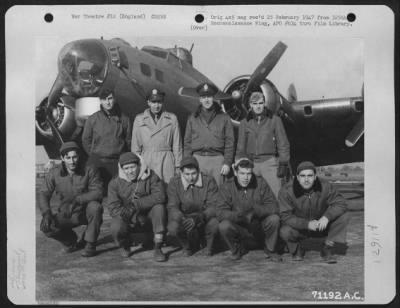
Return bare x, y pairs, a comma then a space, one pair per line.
83, 65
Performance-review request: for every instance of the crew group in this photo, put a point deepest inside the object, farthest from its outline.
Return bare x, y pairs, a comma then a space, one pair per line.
150, 184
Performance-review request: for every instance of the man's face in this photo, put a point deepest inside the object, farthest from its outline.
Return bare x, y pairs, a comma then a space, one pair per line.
155, 107
207, 102
243, 176
131, 171
306, 178
258, 107
190, 175
108, 102
70, 160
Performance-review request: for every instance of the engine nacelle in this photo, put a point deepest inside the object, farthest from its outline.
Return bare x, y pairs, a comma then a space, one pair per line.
62, 114
238, 108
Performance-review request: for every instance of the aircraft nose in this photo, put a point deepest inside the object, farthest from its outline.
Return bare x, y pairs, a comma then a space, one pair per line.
83, 65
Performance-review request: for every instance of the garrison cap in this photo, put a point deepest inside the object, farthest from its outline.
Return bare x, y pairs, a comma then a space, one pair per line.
306, 165
155, 95
68, 146
206, 89
189, 161
128, 158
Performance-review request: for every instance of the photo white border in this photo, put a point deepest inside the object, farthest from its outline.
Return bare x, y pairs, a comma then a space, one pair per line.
374, 24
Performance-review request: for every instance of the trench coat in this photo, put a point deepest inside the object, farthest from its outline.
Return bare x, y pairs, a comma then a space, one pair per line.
159, 144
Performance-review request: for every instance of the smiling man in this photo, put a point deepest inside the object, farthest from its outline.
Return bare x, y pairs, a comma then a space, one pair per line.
136, 204
310, 207
80, 190
248, 208
107, 134
209, 135
192, 199
156, 137
262, 136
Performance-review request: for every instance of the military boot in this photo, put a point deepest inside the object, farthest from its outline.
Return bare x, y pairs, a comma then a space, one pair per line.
159, 256
328, 255
238, 251
186, 251
90, 250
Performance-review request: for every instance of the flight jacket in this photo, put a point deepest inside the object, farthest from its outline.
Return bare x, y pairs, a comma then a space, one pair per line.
263, 139
107, 136
83, 186
214, 137
257, 198
202, 197
298, 207
143, 194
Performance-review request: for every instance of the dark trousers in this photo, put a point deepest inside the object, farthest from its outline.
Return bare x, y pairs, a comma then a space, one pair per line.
90, 215
265, 231
153, 220
107, 167
336, 231
208, 231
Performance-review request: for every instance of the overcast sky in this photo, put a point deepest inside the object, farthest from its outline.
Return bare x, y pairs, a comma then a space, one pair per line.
319, 68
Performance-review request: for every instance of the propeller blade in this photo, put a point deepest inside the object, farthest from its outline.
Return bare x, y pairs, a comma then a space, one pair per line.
264, 68
56, 133
356, 133
56, 90
191, 92
291, 93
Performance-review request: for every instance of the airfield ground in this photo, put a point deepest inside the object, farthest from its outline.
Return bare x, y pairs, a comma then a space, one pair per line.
109, 277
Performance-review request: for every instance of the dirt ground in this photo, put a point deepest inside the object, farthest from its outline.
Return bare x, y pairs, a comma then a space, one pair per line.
110, 277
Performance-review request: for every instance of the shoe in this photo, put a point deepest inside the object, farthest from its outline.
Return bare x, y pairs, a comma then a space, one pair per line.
328, 255
158, 255
89, 251
125, 251
298, 256
186, 252
69, 248
272, 256
238, 252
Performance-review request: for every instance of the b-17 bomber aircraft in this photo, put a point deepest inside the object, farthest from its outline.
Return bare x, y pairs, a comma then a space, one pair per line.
325, 131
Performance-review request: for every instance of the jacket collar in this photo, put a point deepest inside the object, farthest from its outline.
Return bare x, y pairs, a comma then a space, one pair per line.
115, 111
199, 182
266, 114
217, 109
80, 169
299, 191
252, 184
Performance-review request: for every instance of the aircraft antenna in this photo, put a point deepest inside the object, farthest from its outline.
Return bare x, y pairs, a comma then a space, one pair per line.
191, 48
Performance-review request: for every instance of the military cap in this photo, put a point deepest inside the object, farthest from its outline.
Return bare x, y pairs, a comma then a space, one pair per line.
155, 95
206, 89
68, 146
306, 165
189, 161
128, 158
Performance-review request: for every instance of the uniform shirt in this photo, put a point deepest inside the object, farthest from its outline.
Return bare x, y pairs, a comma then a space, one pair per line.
263, 139
107, 135
256, 198
214, 137
298, 207
200, 197
83, 186
148, 136
148, 192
